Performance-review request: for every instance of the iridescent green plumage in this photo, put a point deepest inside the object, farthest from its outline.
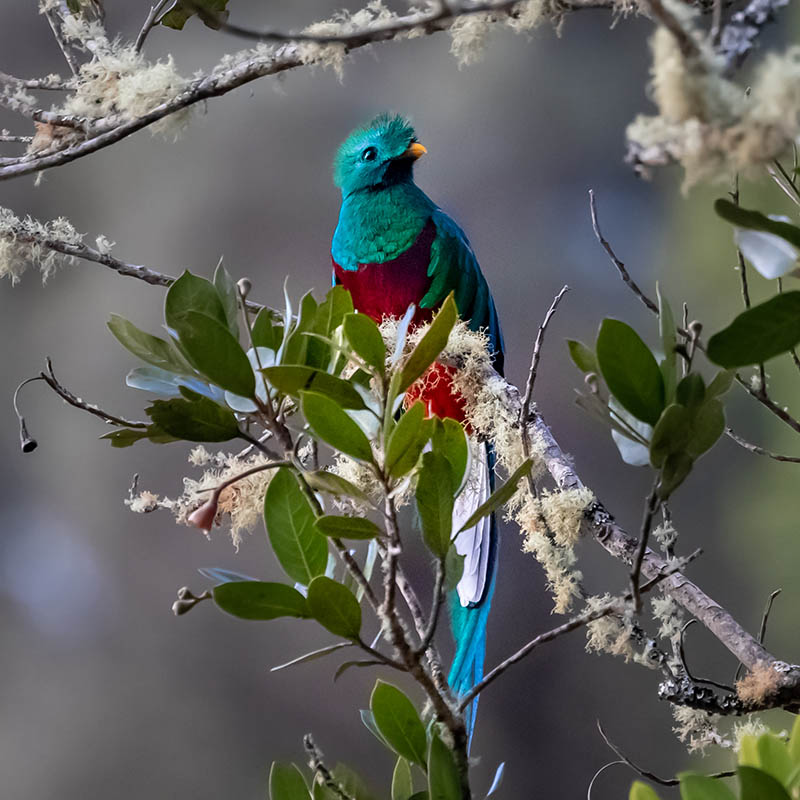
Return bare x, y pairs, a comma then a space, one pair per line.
394, 246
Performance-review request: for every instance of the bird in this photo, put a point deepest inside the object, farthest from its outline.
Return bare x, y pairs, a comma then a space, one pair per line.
394, 247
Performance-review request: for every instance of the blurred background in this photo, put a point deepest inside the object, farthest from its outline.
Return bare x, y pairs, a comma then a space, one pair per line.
104, 693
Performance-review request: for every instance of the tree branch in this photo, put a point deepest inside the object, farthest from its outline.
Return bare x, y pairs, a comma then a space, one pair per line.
286, 57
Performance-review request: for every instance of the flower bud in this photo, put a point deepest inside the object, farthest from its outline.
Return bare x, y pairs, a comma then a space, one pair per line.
244, 287
180, 607
203, 517
185, 593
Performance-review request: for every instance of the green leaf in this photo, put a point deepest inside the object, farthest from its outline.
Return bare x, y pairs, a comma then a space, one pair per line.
708, 424
352, 783
794, 741
419, 796
641, 791
229, 294
701, 787
720, 384
299, 547
331, 424
180, 12
774, 757
450, 439
328, 318
398, 722
193, 293
666, 328
347, 527
758, 334
152, 349
215, 353
431, 344
402, 783
286, 782
755, 784
630, 370
335, 607
194, 418
671, 434
500, 496
125, 437
266, 331
453, 568
366, 340
582, 356
330, 482
756, 221
293, 379
443, 779
434, 497
674, 472
407, 441
296, 348
691, 391
260, 600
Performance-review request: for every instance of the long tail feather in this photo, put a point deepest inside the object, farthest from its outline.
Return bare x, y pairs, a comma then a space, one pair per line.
470, 602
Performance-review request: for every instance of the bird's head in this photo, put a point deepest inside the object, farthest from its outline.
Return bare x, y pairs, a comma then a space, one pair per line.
378, 154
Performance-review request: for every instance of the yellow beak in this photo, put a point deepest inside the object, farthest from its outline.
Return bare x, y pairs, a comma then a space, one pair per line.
415, 150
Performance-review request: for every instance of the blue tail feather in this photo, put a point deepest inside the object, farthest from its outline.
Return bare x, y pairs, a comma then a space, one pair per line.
468, 624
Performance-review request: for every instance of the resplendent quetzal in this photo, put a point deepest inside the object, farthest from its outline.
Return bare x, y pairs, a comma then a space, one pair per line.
393, 246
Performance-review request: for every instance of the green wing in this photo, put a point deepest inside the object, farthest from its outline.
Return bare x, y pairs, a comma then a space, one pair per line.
454, 268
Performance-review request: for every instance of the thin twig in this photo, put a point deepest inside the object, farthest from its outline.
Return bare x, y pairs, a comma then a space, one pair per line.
65, 394
527, 402
355, 570
49, 83
754, 448
436, 605
651, 507
614, 606
762, 632
318, 766
56, 22
624, 274
646, 773
685, 665
149, 23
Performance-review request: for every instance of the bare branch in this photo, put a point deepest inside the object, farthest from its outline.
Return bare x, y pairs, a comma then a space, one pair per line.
651, 508
624, 274
614, 606
646, 773
436, 605
754, 448
440, 19
527, 402
321, 771
50, 379
149, 23
286, 57
49, 83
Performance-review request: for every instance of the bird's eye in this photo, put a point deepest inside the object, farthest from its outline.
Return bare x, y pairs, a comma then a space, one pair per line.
370, 154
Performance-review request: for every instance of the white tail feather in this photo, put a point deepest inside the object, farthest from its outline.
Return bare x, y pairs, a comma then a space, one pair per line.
473, 543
